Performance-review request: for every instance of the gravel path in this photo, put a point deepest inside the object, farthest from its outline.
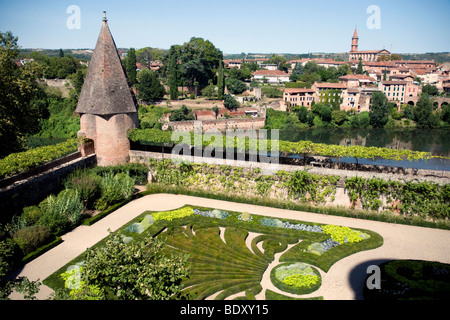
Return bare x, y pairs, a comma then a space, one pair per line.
344, 281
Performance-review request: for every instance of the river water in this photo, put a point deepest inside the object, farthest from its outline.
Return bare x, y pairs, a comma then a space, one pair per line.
434, 141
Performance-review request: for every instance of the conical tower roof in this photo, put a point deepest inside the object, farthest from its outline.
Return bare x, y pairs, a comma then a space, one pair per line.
105, 90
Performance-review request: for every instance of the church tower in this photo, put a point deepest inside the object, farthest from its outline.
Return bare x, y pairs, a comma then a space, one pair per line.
107, 106
355, 40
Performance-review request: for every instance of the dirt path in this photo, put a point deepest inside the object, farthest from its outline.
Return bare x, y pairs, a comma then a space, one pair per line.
344, 281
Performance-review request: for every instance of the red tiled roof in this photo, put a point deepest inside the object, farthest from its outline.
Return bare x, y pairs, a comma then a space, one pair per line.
358, 77
298, 90
394, 83
330, 85
269, 73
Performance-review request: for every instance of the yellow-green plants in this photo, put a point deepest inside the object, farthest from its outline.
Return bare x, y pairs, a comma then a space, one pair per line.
298, 278
342, 234
174, 214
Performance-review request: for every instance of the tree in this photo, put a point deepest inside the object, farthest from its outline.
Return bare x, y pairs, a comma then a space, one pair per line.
297, 72
200, 60
19, 112
149, 87
423, 113
322, 110
61, 53
430, 90
230, 102
173, 75
379, 110
131, 66
235, 86
360, 67
139, 270
220, 82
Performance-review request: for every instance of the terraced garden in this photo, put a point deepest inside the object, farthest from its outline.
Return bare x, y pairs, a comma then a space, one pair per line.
229, 252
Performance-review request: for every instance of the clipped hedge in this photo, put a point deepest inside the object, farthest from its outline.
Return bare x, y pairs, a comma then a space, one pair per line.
22, 161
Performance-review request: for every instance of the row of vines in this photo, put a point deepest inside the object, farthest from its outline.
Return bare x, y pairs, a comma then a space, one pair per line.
423, 199
254, 144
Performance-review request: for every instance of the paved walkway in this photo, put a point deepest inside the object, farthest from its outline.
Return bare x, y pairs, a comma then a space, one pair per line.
344, 281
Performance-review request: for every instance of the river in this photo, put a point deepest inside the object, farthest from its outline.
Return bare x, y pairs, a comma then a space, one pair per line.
434, 141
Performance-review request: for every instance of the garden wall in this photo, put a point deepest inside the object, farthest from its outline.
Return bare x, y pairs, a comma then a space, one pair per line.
318, 165
44, 180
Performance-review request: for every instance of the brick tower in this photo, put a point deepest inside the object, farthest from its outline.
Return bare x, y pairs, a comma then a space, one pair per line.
355, 41
107, 106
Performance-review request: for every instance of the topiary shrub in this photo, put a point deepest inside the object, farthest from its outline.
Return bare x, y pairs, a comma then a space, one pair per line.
31, 238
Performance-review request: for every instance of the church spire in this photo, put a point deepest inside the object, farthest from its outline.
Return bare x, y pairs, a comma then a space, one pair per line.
104, 17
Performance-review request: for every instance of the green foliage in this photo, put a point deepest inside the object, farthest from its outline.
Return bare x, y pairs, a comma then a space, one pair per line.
113, 269
62, 212
424, 199
175, 214
423, 113
379, 110
87, 184
19, 110
114, 188
298, 278
149, 116
32, 237
130, 66
342, 234
22, 161
230, 102
149, 86
235, 86
79, 289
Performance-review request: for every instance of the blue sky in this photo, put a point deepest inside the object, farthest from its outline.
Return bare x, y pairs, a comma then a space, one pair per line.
276, 26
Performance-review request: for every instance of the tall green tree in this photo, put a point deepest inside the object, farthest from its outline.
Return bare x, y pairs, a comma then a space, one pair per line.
173, 76
379, 110
360, 67
220, 82
131, 66
19, 112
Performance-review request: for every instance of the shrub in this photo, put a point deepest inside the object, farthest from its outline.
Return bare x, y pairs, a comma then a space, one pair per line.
114, 188
31, 238
62, 212
86, 184
31, 214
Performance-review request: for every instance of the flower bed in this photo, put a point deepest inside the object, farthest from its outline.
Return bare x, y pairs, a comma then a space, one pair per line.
297, 278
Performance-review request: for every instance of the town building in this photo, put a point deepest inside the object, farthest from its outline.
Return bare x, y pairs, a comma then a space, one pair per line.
271, 76
365, 55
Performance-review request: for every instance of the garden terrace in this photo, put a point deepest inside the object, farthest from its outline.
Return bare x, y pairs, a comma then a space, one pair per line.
223, 263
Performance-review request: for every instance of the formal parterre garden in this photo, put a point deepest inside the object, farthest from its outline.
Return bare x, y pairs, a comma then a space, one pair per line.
228, 252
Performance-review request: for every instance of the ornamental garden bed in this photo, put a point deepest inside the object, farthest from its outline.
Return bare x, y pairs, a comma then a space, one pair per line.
225, 262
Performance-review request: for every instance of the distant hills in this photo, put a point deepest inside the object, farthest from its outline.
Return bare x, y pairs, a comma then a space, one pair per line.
85, 54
